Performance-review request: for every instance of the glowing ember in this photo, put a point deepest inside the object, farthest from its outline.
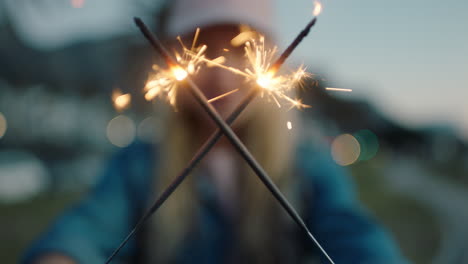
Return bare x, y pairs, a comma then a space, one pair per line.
121, 101
265, 80
275, 86
317, 8
179, 73
164, 82
259, 59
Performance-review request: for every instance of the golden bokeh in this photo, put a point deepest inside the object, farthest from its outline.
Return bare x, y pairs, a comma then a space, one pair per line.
345, 149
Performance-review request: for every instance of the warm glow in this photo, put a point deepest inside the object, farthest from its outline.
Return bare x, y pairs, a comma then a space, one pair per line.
345, 149
121, 101
317, 8
265, 80
179, 73
164, 82
289, 125
260, 58
3, 125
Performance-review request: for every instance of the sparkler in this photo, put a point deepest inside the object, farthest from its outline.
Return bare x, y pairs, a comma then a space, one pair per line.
223, 129
261, 72
164, 82
338, 89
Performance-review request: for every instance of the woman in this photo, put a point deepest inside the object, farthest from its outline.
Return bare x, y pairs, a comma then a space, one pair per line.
222, 213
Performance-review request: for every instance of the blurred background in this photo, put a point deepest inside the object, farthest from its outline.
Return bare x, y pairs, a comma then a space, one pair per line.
402, 131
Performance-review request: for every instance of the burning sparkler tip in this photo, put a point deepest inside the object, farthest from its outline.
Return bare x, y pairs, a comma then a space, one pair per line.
317, 8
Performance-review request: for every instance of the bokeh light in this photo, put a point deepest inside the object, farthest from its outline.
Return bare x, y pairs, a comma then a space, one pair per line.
22, 176
345, 149
77, 3
149, 130
121, 131
3, 125
369, 144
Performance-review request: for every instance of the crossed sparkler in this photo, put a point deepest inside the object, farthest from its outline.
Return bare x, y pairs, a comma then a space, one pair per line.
262, 72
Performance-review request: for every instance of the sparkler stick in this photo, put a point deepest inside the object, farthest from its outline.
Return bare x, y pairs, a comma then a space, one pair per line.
293, 45
231, 136
199, 155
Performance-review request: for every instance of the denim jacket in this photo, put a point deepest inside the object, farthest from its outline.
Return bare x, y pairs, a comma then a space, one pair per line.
89, 231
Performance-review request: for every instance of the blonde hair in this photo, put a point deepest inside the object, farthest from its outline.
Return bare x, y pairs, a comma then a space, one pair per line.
266, 136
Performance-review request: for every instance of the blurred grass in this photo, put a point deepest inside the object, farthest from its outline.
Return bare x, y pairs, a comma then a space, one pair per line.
20, 223
412, 225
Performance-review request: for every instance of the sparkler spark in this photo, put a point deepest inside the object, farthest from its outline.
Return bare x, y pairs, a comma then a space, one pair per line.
222, 96
274, 86
338, 89
317, 8
121, 101
259, 71
164, 82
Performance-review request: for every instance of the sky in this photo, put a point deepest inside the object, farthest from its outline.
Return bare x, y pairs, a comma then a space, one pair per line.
407, 57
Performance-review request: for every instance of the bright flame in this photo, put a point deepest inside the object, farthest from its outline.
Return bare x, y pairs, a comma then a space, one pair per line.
259, 60
265, 80
179, 73
121, 101
317, 8
275, 86
164, 82
289, 125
